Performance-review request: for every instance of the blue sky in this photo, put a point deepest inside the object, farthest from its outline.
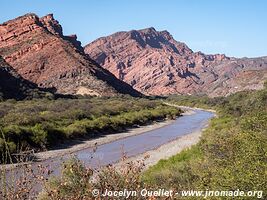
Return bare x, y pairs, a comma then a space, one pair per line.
234, 27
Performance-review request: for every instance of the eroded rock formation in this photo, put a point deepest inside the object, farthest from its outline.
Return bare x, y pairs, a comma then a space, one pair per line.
153, 62
37, 49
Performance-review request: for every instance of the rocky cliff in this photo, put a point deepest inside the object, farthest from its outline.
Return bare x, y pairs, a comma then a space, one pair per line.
13, 86
37, 49
153, 62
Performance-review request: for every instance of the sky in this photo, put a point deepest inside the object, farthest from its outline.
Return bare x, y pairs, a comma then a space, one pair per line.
233, 27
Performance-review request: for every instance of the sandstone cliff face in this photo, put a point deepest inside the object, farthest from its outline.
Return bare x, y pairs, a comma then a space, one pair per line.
155, 63
37, 49
13, 86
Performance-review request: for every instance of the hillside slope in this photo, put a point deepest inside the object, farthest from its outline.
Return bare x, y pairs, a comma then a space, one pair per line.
153, 62
13, 86
37, 49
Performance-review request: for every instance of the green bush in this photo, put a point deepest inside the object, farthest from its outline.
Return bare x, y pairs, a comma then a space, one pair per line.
38, 135
232, 152
174, 172
41, 124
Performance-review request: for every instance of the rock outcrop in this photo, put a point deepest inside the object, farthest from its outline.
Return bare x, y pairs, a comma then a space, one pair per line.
154, 63
37, 49
13, 86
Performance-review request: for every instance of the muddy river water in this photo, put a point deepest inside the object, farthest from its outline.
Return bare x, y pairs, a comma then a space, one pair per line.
131, 146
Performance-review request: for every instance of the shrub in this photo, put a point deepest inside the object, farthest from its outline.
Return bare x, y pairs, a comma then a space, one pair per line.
43, 123
232, 150
78, 182
74, 182
38, 136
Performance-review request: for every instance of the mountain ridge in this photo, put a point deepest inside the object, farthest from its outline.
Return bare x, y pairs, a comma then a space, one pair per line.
153, 62
39, 51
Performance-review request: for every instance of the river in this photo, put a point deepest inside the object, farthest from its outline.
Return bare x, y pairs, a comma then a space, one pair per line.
131, 146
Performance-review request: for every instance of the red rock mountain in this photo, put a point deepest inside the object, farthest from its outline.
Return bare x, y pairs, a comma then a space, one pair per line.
13, 86
153, 62
37, 49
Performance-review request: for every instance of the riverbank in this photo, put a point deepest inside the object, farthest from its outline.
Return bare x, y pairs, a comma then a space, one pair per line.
77, 145
45, 124
153, 156
167, 150
71, 147
171, 148
158, 141
229, 151
187, 108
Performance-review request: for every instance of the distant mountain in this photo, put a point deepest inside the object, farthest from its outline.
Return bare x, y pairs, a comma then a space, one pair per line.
13, 86
37, 49
153, 62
